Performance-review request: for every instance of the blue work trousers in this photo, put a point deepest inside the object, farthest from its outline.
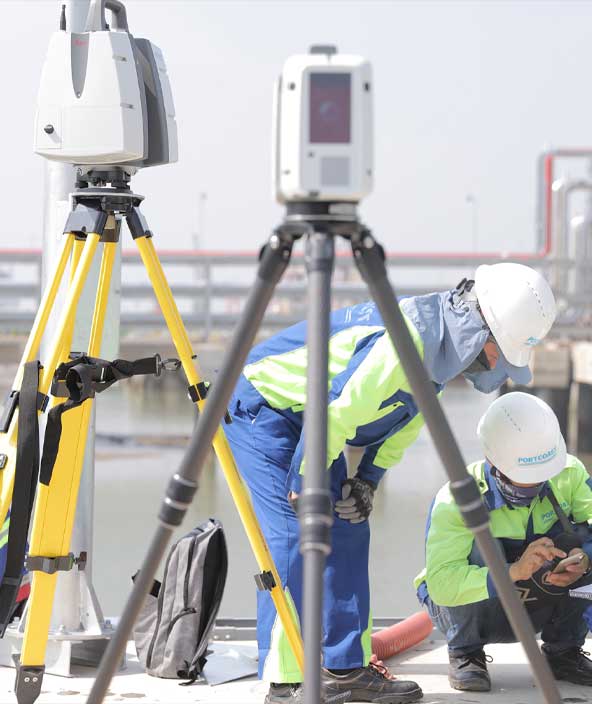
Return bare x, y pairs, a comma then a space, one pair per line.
263, 442
472, 626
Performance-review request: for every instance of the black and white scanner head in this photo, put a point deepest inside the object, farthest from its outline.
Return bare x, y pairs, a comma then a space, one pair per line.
105, 97
323, 128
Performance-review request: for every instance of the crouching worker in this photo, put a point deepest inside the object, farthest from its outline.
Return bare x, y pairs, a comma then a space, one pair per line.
540, 501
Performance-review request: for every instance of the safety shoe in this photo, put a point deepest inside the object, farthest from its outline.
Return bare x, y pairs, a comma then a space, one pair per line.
373, 683
293, 694
284, 694
571, 665
469, 671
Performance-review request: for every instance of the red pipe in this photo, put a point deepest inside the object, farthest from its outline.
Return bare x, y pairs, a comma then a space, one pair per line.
548, 176
401, 636
549, 163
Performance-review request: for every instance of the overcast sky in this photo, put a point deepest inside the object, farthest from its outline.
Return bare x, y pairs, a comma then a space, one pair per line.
467, 95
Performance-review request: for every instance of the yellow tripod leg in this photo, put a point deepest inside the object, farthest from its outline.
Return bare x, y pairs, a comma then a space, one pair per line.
55, 507
32, 347
67, 339
222, 449
8, 440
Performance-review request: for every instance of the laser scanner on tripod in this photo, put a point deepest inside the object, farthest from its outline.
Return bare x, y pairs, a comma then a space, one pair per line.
323, 128
105, 96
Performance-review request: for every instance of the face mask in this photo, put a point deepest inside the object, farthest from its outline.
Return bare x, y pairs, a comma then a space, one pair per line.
478, 365
516, 495
487, 380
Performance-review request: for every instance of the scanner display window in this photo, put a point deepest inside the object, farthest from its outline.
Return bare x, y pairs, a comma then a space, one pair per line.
330, 108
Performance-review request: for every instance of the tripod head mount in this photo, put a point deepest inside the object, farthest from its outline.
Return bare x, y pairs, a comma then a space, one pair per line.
99, 207
100, 176
338, 219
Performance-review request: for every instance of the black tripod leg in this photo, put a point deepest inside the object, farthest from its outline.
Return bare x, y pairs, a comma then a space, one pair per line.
315, 508
183, 485
369, 257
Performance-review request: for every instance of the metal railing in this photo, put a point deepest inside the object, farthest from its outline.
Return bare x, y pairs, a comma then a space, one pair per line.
210, 287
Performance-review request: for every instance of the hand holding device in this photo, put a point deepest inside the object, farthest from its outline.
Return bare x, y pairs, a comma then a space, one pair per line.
533, 558
574, 567
572, 560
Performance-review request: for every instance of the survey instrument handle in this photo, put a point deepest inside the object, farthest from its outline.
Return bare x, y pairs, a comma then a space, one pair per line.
95, 20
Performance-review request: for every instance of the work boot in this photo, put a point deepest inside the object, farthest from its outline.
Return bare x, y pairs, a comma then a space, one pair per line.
571, 665
286, 693
469, 671
292, 694
373, 683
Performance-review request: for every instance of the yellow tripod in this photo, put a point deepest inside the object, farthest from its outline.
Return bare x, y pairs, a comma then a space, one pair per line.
95, 222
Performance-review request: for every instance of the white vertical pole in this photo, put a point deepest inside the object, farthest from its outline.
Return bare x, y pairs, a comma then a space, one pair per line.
75, 606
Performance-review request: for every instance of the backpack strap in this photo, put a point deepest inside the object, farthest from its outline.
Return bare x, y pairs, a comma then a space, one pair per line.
23, 495
82, 378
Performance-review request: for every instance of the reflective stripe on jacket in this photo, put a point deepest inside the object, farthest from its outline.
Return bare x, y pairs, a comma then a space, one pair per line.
369, 400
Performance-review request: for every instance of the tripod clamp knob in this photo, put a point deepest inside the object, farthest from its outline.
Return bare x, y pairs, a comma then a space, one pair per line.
167, 365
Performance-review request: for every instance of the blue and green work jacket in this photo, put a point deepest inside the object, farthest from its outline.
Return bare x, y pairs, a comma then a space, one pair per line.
369, 400
449, 577
370, 403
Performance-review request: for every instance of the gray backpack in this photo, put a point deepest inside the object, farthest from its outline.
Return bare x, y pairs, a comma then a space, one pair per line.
174, 626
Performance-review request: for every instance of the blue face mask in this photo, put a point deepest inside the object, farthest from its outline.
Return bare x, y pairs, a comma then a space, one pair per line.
490, 380
516, 495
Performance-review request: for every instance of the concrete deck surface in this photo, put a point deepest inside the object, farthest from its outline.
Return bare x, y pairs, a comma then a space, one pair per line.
426, 663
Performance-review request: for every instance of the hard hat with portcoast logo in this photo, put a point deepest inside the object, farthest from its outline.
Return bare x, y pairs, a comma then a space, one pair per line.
518, 306
521, 437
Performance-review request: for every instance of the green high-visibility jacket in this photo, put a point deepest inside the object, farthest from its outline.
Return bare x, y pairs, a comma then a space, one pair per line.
370, 403
449, 577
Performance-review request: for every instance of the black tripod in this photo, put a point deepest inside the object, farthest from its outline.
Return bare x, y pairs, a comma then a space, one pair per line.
320, 223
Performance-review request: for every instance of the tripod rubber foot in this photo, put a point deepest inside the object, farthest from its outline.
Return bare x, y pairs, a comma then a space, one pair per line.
27, 686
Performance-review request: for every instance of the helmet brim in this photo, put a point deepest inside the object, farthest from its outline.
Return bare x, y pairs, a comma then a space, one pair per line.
517, 355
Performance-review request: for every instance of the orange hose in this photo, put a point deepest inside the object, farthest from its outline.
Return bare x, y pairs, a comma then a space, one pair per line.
397, 638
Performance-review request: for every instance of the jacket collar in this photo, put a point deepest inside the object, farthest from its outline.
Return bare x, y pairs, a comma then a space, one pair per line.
493, 497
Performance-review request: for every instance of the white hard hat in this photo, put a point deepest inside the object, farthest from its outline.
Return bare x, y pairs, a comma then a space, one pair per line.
518, 306
521, 437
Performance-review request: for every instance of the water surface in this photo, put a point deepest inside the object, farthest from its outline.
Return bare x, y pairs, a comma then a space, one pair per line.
131, 479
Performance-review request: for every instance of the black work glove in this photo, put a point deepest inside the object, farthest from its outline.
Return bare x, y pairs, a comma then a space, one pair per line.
356, 500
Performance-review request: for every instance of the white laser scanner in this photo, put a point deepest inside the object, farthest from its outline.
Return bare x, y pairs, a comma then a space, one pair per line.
105, 97
323, 128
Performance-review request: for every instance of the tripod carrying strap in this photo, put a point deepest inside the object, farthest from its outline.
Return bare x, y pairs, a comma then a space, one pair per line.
79, 380
23, 495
